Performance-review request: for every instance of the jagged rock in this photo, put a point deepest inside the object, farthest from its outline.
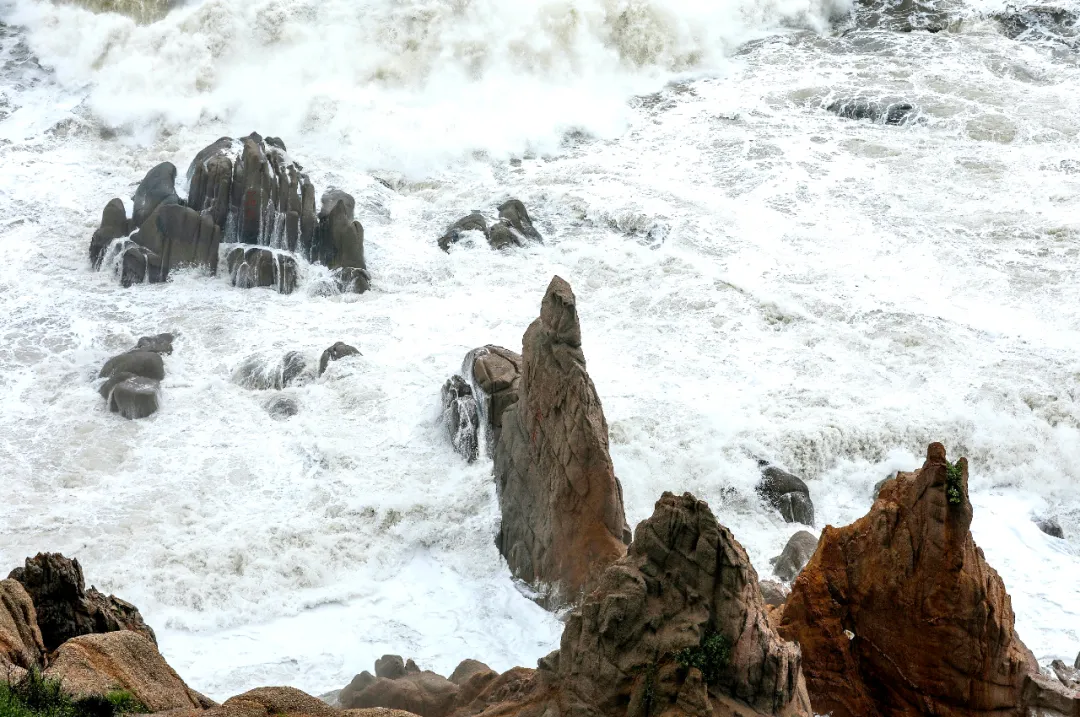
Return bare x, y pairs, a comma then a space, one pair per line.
180, 237
878, 486
787, 493
158, 188
21, 647
125, 660
65, 609
147, 364
254, 266
1046, 697
1069, 676
210, 180
335, 353
390, 666
773, 593
890, 113
1050, 526
473, 222
562, 506
795, 555
159, 344
461, 418
353, 280
898, 614
496, 377
339, 239
513, 212
131, 396
114, 225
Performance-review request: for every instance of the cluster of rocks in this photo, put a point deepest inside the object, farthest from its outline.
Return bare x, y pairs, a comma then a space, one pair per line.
562, 506
292, 369
512, 228
785, 492
132, 385
241, 191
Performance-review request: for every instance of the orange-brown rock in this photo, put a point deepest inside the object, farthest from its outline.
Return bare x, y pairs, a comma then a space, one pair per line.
20, 639
121, 660
562, 508
898, 614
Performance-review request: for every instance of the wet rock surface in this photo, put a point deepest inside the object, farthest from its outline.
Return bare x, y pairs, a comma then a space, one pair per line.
795, 555
786, 492
336, 352
513, 227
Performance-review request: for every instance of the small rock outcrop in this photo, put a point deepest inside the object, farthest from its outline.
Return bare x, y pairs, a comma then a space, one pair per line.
461, 417
795, 555
1069, 676
562, 506
262, 373
339, 242
1050, 526
132, 383
889, 113
495, 376
677, 626
65, 609
898, 614
21, 646
514, 227
98, 664
787, 493
114, 225
336, 352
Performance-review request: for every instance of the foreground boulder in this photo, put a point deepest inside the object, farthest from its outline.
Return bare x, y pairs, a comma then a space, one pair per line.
677, 626
899, 614
122, 660
65, 609
787, 493
562, 506
21, 646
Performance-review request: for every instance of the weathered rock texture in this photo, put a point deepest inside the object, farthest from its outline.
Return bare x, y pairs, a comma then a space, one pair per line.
898, 614
251, 267
795, 555
21, 647
65, 609
562, 506
633, 647
495, 376
123, 660
787, 493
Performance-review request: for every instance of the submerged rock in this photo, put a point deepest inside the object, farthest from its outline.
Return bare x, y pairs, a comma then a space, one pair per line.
1050, 526
260, 373
336, 352
461, 417
513, 228
282, 407
795, 555
66, 609
138, 362
889, 113
473, 222
562, 506
132, 396
787, 493
1041, 23
899, 614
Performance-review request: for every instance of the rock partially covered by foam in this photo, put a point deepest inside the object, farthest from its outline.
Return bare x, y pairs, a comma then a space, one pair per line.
513, 228
251, 267
66, 609
899, 613
132, 383
787, 493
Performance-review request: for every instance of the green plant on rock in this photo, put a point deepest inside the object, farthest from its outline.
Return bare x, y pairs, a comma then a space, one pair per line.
38, 696
711, 656
954, 480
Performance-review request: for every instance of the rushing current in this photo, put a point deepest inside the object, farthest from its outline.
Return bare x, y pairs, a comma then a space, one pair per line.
756, 276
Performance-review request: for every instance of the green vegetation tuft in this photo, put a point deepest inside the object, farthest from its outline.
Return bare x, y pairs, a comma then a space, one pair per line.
38, 696
711, 656
954, 477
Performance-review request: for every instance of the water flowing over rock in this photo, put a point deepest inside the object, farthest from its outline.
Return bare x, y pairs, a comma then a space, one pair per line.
461, 418
513, 228
21, 646
114, 225
787, 493
899, 614
677, 626
251, 267
336, 352
133, 379
125, 660
513, 212
339, 242
890, 113
65, 609
1051, 526
472, 222
562, 507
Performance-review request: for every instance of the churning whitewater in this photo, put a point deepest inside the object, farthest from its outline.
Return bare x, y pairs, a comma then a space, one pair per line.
758, 276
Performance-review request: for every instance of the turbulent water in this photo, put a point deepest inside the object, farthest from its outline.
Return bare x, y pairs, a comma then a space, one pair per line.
756, 276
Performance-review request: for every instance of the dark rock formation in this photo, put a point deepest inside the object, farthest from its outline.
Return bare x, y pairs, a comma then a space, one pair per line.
179, 237
795, 555
255, 266
260, 373
473, 222
513, 212
787, 493
390, 666
890, 113
339, 242
158, 188
495, 376
562, 506
282, 407
139, 265
898, 614
114, 225
131, 396
21, 647
65, 609
675, 627
461, 418
147, 364
159, 344
1050, 526
1041, 23
335, 353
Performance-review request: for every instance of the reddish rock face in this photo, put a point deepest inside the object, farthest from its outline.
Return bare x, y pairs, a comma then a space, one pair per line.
898, 613
562, 508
